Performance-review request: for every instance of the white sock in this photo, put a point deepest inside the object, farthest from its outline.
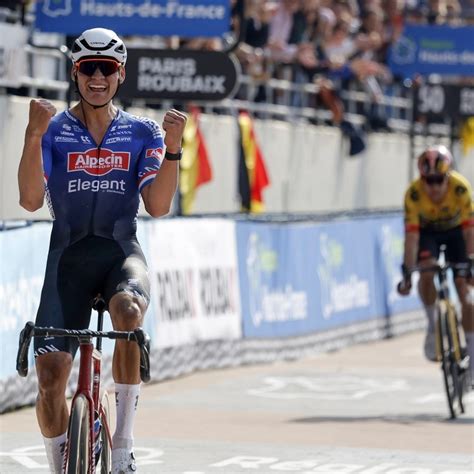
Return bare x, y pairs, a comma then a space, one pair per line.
431, 314
55, 452
126, 400
470, 351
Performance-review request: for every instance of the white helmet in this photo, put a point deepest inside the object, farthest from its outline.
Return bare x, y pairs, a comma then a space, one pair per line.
99, 42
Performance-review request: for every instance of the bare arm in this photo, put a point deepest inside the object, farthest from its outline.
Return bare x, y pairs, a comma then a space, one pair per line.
409, 260
158, 195
411, 249
30, 171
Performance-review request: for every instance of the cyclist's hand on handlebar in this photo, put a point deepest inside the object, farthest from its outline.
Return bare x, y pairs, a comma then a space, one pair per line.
404, 287
41, 112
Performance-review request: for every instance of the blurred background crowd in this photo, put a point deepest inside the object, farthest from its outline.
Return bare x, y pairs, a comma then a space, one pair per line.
329, 47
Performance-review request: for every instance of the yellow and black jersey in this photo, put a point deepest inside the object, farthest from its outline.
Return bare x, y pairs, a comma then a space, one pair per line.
456, 208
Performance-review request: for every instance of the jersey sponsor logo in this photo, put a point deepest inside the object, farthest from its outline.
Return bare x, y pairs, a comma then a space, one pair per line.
117, 140
65, 139
101, 165
67, 127
154, 153
68, 134
85, 139
120, 132
414, 195
109, 186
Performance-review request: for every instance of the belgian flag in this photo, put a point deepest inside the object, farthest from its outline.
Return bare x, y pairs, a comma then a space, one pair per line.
253, 176
195, 168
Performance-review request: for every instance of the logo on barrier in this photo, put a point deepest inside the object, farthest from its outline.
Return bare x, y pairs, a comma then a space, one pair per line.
340, 291
101, 165
269, 304
55, 8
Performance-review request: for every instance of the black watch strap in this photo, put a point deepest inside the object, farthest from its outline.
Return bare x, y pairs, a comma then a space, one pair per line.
174, 156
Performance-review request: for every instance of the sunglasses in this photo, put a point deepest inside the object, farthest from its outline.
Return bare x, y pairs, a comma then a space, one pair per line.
106, 66
437, 179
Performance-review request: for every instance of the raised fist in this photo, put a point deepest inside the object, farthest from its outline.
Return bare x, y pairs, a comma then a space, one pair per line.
41, 112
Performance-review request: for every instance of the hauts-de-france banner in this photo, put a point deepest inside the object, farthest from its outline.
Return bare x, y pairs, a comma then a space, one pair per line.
186, 18
428, 50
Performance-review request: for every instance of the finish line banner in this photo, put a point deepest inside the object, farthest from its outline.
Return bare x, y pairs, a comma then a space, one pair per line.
434, 50
186, 18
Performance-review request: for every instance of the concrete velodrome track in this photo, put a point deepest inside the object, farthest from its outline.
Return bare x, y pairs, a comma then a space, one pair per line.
376, 408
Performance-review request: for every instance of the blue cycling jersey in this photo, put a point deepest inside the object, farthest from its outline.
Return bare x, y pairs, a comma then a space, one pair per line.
93, 189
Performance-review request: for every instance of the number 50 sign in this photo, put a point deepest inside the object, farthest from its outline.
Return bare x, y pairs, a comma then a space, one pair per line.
436, 102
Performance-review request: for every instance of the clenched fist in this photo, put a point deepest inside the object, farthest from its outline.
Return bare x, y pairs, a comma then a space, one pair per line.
173, 124
41, 112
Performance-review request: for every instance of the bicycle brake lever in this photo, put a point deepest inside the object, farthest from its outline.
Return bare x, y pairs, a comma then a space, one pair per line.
143, 340
23, 347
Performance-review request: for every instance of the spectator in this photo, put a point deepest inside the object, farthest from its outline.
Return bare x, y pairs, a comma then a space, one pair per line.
281, 27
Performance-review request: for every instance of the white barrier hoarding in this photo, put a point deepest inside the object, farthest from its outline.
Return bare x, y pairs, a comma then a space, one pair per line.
13, 39
195, 289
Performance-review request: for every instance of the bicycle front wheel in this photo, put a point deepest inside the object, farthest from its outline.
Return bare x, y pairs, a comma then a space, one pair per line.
448, 365
78, 452
104, 466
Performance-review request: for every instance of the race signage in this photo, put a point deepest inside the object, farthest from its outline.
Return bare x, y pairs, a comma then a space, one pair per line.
428, 50
438, 101
179, 75
186, 18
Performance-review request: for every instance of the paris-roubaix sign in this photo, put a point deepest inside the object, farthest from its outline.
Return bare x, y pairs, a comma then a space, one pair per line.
179, 75
186, 18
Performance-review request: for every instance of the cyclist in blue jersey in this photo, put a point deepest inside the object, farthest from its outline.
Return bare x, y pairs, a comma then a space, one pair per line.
92, 163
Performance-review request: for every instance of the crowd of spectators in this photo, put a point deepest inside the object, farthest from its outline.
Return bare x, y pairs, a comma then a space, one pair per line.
328, 43
333, 42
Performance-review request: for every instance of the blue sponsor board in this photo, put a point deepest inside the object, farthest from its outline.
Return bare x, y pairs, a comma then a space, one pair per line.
276, 282
433, 50
186, 18
347, 285
390, 236
296, 279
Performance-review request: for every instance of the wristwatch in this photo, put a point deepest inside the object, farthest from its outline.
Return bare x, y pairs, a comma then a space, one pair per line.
174, 156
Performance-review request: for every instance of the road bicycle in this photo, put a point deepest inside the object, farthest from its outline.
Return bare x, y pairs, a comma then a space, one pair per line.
89, 440
450, 341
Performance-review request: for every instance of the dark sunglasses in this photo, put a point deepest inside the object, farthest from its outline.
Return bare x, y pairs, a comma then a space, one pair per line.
106, 66
436, 179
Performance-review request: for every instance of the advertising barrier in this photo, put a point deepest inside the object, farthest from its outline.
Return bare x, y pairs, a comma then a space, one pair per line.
228, 292
22, 264
188, 18
277, 294
300, 278
193, 272
389, 234
433, 49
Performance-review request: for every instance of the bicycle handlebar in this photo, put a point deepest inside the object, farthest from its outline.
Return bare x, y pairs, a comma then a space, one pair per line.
30, 331
463, 268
